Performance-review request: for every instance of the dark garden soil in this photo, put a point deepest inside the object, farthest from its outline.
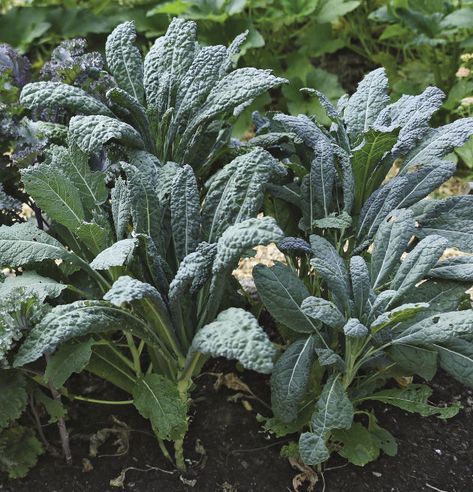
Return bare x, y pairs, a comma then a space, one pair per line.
349, 67
234, 455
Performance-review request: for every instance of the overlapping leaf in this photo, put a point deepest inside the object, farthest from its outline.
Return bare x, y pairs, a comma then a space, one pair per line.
235, 334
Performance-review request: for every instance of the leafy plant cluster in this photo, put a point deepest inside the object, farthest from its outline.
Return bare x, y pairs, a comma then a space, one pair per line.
365, 296
286, 28
144, 204
143, 219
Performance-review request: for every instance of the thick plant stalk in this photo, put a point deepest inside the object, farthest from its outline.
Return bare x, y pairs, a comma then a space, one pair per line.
179, 454
184, 383
183, 386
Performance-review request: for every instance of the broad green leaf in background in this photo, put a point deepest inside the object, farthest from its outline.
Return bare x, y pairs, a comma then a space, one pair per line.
330, 10
19, 451
359, 445
13, 396
414, 398
302, 74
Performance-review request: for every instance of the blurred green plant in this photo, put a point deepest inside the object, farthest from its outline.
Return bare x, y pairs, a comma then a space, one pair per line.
418, 41
460, 101
293, 32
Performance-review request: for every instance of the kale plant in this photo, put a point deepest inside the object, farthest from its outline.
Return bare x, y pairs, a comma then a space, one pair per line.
366, 296
177, 104
146, 248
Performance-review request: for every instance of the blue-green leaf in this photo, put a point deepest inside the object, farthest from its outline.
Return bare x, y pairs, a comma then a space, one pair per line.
290, 378
185, 212
282, 293
124, 59
334, 410
236, 334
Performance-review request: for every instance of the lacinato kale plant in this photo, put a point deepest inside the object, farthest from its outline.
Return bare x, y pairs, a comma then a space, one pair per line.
177, 103
145, 247
366, 296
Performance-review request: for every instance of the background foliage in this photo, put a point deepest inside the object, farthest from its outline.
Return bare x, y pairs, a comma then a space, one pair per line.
324, 44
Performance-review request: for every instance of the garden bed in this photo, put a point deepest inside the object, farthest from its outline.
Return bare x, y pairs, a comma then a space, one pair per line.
235, 455
125, 206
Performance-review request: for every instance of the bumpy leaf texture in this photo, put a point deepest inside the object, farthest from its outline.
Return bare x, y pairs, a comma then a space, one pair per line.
235, 334
72, 320
334, 410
